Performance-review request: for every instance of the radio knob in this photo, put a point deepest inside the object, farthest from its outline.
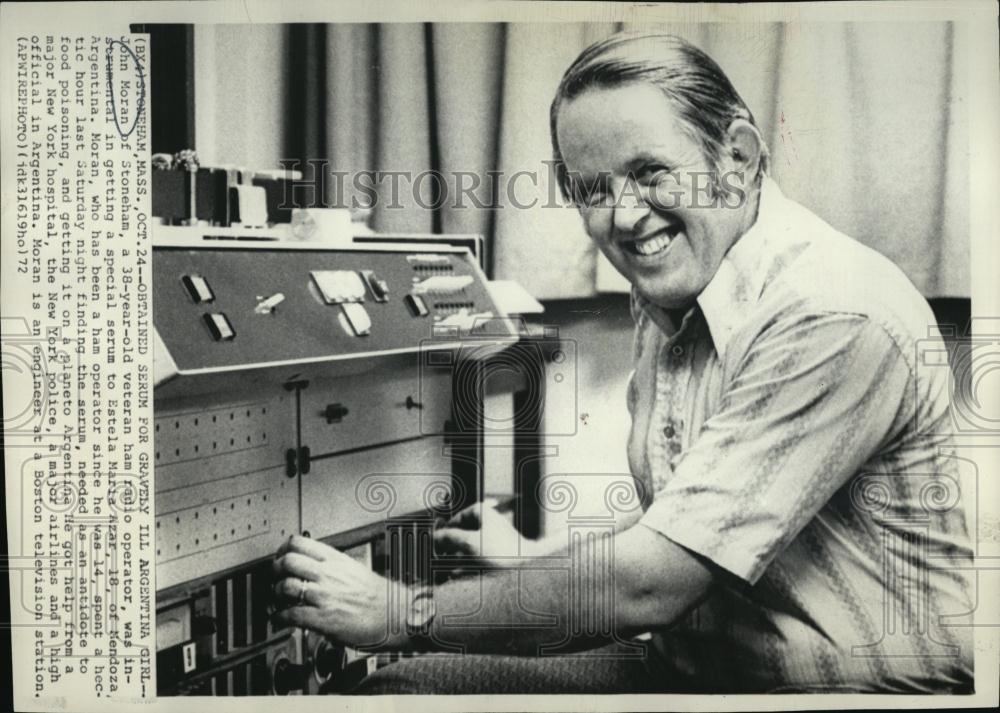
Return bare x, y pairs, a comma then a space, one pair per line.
287, 677
330, 660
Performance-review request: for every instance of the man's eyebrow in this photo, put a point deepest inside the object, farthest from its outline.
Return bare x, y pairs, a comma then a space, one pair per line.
586, 181
641, 159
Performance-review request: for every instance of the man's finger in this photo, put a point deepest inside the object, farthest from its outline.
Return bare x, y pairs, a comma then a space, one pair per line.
283, 548
466, 518
293, 588
455, 541
305, 617
308, 546
448, 546
506, 505
297, 565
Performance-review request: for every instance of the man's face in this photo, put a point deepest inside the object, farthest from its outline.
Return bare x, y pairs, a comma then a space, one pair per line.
644, 191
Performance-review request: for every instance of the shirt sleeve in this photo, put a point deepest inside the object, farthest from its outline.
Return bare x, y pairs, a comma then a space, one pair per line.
815, 396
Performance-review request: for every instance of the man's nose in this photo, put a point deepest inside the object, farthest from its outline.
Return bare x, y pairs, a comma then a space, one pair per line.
630, 207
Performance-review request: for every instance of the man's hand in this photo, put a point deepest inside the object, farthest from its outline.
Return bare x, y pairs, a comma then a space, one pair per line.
322, 589
484, 532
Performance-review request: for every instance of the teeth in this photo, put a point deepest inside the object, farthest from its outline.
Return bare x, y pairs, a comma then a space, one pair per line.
652, 246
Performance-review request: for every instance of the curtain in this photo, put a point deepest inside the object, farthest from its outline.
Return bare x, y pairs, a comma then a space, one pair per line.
866, 124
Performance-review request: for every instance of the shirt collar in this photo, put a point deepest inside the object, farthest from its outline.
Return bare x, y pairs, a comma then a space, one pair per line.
739, 281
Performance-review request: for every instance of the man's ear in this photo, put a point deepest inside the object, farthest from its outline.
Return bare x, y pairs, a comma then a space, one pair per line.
744, 146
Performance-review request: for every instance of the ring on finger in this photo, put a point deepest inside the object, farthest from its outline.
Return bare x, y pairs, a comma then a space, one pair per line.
302, 592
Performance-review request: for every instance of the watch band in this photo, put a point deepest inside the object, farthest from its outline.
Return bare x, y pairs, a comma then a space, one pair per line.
420, 616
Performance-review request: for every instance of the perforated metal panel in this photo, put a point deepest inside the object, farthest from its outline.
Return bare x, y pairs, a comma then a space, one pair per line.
194, 435
223, 494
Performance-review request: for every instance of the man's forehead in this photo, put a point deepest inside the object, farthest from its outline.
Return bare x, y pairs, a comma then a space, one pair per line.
618, 128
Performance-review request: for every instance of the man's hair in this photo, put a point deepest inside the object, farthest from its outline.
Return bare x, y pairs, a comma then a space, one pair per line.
701, 93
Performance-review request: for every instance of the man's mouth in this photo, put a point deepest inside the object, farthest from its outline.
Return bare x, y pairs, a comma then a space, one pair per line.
653, 245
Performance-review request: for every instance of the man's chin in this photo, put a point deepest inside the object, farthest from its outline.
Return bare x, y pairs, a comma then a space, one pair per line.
667, 298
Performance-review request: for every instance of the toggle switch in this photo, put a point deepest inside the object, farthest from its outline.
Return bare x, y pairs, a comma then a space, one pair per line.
379, 288
416, 305
266, 305
197, 287
219, 326
358, 318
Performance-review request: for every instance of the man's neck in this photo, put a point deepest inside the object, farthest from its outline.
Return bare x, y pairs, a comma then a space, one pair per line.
676, 315
751, 215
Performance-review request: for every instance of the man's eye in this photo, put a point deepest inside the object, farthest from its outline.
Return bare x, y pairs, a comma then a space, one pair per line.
654, 173
595, 197
591, 195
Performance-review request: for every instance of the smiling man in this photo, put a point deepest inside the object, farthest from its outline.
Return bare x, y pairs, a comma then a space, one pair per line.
782, 438
650, 192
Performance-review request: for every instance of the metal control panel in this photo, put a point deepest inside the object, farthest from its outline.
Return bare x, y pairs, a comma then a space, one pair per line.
293, 395
223, 308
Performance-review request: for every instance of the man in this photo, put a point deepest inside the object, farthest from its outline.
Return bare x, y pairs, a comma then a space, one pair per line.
780, 429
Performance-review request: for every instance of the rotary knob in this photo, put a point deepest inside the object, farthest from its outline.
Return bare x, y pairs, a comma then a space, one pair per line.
287, 677
330, 660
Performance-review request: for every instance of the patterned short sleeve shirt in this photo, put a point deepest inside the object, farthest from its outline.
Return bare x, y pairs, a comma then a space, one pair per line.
785, 432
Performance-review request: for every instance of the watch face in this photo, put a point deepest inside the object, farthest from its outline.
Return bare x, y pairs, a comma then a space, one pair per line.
421, 611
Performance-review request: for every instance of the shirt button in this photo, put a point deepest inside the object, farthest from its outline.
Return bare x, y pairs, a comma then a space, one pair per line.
669, 431
677, 350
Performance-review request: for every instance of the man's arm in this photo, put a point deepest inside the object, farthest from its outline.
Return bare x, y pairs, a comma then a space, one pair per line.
652, 583
649, 582
554, 545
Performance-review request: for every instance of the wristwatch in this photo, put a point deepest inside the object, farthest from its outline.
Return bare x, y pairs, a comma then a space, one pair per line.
420, 615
